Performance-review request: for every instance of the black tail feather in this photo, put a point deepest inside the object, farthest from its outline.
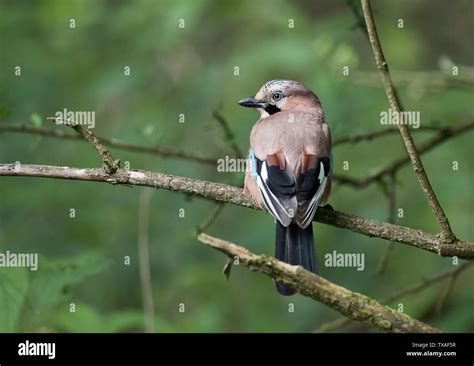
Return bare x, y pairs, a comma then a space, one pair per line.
295, 246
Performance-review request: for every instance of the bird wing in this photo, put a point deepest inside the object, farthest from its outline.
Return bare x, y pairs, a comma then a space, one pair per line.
291, 152
311, 181
277, 185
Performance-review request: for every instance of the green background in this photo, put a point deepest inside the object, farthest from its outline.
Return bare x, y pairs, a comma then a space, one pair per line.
191, 71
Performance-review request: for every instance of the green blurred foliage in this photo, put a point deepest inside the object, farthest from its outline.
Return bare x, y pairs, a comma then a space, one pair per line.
13, 291
191, 71
29, 297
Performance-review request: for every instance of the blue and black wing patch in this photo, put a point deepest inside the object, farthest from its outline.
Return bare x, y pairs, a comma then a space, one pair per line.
278, 188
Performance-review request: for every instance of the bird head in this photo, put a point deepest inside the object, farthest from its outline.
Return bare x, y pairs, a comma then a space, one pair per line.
281, 95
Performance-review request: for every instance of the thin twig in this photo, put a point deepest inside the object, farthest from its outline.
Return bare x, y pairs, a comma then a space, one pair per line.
229, 194
350, 304
155, 150
426, 283
110, 165
390, 194
382, 133
395, 165
425, 80
229, 135
227, 268
446, 293
211, 218
446, 232
144, 259
358, 15
219, 206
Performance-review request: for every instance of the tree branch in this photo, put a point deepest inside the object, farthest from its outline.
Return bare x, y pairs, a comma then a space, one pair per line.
414, 289
394, 166
351, 304
444, 134
224, 193
446, 232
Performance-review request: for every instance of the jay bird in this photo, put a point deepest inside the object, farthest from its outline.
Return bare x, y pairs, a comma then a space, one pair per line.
289, 167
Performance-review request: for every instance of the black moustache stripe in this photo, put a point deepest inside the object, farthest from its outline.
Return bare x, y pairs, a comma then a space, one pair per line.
272, 109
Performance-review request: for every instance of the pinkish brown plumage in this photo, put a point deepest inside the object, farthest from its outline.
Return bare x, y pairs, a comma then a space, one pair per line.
289, 166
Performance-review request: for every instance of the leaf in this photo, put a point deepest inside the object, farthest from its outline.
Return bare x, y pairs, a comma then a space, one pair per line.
87, 319
36, 120
13, 289
51, 284
4, 112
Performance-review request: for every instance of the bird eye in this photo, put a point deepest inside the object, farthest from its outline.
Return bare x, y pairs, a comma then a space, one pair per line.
277, 96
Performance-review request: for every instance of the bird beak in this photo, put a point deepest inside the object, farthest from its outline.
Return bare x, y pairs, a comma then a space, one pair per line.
251, 102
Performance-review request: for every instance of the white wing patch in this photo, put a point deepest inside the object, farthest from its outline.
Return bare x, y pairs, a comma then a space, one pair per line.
280, 201
272, 203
